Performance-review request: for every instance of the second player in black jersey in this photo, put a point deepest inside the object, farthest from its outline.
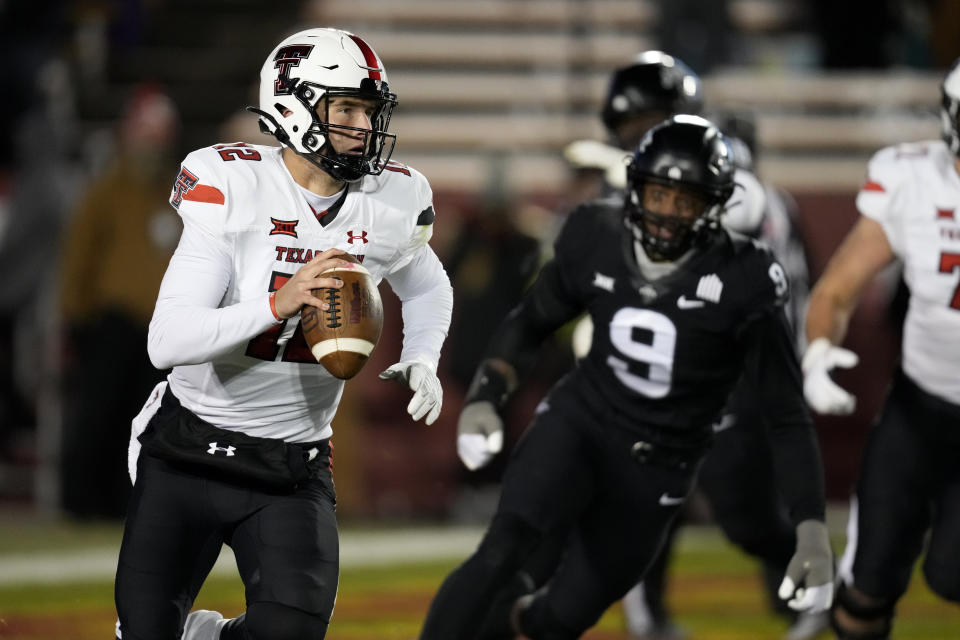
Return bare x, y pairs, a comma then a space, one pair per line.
681, 309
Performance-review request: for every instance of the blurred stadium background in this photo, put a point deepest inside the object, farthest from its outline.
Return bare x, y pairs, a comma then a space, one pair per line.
490, 93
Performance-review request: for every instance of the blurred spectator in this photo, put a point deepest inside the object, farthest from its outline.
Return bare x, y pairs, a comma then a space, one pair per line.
29, 34
115, 252
944, 31
696, 31
856, 34
491, 263
38, 179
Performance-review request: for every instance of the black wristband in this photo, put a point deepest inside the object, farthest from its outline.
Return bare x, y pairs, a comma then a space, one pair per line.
489, 385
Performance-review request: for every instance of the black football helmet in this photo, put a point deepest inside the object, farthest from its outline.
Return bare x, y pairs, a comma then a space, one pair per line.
740, 129
950, 108
653, 82
688, 152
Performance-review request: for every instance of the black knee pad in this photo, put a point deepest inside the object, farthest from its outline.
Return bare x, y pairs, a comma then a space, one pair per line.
872, 614
272, 621
943, 581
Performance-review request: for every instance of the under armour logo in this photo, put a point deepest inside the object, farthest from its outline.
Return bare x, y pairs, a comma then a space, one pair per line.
214, 448
362, 236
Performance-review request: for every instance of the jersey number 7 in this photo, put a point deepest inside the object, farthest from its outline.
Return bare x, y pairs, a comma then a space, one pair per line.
266, 345
951, 262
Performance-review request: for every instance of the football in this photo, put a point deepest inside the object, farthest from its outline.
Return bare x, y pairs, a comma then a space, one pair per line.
343, 337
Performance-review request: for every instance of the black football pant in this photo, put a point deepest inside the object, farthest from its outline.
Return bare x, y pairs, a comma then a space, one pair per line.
286, 548
738, 479
568, 471
909, 486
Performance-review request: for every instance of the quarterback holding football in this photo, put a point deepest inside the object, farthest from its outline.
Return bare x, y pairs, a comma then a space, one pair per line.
234, 446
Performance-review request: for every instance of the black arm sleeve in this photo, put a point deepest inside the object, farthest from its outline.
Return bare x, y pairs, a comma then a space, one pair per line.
772, 369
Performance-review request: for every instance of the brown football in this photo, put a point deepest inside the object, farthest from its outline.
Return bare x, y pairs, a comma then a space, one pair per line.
343, 337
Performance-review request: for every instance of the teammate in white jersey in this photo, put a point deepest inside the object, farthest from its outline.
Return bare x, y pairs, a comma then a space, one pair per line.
234, 447
909, 484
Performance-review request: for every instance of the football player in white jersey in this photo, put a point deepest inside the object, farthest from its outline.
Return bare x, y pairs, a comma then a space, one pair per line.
909, 484
234, 447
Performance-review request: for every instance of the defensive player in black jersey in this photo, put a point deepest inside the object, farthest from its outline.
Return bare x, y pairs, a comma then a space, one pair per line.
681, 308
737, 477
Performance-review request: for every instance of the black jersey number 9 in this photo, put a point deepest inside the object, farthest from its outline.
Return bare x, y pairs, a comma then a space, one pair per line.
625, 327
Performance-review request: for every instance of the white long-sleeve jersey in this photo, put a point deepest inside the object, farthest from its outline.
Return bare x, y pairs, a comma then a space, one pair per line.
913, 191
247, 229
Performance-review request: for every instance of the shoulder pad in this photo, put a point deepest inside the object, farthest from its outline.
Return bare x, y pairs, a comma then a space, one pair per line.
401, 187
407, 195
765, 281
887, 170
213, 180
197, 181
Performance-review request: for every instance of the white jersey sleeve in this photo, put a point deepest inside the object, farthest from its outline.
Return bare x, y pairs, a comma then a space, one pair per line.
415, 273
188, 325
877, 198
426, 299
913, 192
416, 228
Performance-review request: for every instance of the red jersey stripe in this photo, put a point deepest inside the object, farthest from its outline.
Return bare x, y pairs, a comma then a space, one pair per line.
205, 193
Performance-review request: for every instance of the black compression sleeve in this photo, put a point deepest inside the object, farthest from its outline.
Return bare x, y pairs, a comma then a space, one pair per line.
490, 384
772, 369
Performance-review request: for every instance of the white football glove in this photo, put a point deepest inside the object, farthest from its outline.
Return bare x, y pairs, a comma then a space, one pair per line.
822, 393
808, 583
427, 392
479, 434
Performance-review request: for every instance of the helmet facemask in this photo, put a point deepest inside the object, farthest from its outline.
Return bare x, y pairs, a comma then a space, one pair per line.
376, 143
687, 159
950, 109
667, 236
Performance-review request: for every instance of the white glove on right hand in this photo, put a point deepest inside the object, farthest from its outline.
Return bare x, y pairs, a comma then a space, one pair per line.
479, 434
822, 393
423, 381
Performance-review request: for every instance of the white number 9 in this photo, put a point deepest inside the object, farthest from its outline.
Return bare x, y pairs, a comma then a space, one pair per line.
780, 284
658, 354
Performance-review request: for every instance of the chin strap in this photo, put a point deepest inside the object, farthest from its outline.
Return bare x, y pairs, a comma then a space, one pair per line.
277, 131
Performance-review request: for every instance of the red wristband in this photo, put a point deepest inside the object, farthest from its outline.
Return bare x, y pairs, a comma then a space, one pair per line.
273, 306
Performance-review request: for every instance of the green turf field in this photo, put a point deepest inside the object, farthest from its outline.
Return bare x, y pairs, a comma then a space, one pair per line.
714, 590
